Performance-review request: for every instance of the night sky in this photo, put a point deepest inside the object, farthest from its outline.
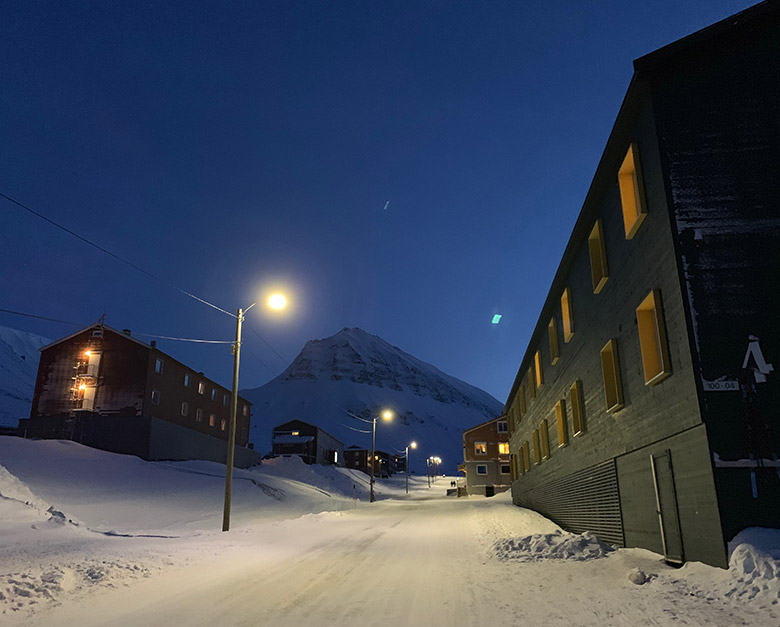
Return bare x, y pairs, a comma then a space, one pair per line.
409, 168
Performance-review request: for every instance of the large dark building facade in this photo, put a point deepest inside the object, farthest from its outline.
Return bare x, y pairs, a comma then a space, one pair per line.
107, 389
307, 441
645, 406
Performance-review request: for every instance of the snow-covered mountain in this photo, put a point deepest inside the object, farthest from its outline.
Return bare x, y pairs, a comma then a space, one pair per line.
18, 367
354, 372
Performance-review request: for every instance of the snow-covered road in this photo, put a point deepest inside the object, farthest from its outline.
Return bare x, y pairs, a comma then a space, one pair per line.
424, 562
143, 547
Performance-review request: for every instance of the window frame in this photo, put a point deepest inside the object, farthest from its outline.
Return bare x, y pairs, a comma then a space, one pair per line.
653, 343
155, 397
561, 423
481, 466
610, 371
538, 369
544, 432
198, 414
632, 196
506, 426
185, 408
526, 457
537, 447
187, 380
577, 408
567, 316
508, 470
503, 448
552, 332
597, 251
478, 445
212, 420
158, 365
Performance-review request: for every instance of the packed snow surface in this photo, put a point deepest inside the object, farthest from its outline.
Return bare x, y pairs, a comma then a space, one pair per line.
93, 538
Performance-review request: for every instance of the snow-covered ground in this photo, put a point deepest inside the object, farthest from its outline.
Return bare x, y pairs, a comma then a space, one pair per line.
89, 537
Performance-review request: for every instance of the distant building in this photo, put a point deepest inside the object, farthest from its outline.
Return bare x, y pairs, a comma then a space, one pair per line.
644, 408
107, 389
486, 457
359, 458
310, 443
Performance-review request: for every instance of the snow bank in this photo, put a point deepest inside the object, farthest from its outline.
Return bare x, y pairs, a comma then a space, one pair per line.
754, 575
12, 488
552, 546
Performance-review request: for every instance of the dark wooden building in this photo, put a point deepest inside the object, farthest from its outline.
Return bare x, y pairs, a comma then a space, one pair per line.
486, 462
359, 458
644, 406
309, 442
109, 390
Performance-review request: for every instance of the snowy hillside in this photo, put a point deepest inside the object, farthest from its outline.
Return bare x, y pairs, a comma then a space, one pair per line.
354, 372
18, 367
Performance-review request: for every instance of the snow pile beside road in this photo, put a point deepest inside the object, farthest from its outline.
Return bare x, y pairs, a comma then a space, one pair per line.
12, 488
754, 575
552, 546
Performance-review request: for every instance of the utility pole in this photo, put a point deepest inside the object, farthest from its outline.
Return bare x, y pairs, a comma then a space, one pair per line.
231, 449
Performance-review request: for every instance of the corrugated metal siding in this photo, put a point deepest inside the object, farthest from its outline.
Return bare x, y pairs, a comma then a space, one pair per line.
588, 500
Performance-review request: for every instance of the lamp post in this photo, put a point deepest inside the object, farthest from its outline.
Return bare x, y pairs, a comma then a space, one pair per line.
276, 301
387, 415
413, 445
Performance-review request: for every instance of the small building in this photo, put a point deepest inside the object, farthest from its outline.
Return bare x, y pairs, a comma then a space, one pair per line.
359, 459
106, 389
307, 441
486, 461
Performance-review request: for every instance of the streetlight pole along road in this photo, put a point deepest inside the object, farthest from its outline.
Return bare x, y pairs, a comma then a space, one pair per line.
387, 415
406, 461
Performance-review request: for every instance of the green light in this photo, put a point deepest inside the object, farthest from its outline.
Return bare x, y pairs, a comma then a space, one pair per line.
496, 318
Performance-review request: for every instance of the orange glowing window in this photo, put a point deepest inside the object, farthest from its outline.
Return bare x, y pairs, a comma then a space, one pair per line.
560, 420
652, 339
566, 315
631, 193
503, 448
538, 369
537, 447
577, 408
598, 257
552, 331
544, 432
610, 369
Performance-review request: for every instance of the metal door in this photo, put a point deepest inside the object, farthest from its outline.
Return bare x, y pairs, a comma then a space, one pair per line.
666, 506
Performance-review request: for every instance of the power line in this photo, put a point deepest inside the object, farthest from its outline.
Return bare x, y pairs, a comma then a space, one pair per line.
271, 347
115, 256
26, 315
184, 339
262, 362
353, 428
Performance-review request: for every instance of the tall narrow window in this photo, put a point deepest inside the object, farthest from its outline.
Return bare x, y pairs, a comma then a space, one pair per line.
538, 369
652, 339
577, 408
158, 365
155, 397
223, 424
511, 417
598, 257
501, 426
544, 432
531, 383
201, 387
523, 405
537, 447
186, 379
212, 420
560, 420
631, 192
526, 456
199, 415
516, 465
185, 408
552, 331
610, 368
566, 315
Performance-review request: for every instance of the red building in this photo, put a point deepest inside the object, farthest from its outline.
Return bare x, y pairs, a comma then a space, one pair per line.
109, 390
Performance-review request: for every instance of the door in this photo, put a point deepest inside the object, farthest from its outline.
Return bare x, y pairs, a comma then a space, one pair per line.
666, 506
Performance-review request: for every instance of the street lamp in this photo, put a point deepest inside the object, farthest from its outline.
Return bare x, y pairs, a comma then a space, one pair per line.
277, 301
413, 445
387, 415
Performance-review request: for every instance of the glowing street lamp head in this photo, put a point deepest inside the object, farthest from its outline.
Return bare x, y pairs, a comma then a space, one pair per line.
413, 445
277, 301
387, 414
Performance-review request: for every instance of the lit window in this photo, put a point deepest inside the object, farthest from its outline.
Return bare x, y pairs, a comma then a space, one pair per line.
652, 339
199, 415
223, 424
544, 432
610, 368
155, 397
577, 408
526, 456
212, 420
158, 365
560, 419
503, 448
295, 433
501, 426
537, 447
201, 387
480, 448
598, 257
538, 364
481, 469
185, 408
566, 316
631, 195
552, 331
186, 379
505, 469
213, 394
531, 383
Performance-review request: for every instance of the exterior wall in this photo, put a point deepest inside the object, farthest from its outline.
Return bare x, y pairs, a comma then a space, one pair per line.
169, 441
718, 114
322, 448
356, 458
493, 480
120, 375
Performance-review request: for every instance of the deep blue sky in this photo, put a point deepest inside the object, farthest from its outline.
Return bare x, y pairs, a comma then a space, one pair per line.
229, 146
